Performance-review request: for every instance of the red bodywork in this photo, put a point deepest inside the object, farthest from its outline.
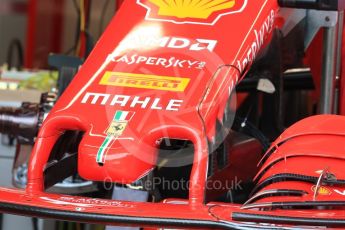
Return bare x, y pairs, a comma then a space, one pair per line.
184, 109
154, 74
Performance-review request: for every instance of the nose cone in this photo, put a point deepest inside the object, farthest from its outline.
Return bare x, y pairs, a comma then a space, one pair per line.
114, 159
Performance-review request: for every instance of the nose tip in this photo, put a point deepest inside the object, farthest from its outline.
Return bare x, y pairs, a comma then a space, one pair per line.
110, 157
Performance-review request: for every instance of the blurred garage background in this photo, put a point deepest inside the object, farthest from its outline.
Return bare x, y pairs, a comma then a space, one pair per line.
31, 30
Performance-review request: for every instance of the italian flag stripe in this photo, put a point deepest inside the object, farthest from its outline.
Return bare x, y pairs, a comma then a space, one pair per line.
102, 150
119, 116
123, 116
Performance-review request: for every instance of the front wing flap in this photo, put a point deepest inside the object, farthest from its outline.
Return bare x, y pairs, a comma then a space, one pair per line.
179, 215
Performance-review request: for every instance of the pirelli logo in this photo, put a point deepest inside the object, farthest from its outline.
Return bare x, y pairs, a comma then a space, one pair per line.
144, 81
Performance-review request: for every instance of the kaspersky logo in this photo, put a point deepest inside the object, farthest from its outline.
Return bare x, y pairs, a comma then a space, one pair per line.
204, 12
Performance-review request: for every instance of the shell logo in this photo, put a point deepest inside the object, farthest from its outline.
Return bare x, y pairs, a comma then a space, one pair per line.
323, 191
206, 12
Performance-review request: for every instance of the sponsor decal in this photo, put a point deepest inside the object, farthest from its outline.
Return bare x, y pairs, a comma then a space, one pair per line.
323, 191
144, 81
260, 37
156, 61
140, 40
93, 201
115, 129
135, 102
204, 12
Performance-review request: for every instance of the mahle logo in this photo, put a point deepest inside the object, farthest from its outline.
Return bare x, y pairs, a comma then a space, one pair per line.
205, 12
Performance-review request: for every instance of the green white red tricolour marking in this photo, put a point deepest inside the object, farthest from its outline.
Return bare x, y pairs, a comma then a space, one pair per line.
115, 129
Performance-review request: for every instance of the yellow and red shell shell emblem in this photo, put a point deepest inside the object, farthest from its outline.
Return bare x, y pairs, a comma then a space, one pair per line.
323, 191
191, 11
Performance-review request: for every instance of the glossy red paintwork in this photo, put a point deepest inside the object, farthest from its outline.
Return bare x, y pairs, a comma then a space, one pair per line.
177, 209
309, 149
202, 101
222, 43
